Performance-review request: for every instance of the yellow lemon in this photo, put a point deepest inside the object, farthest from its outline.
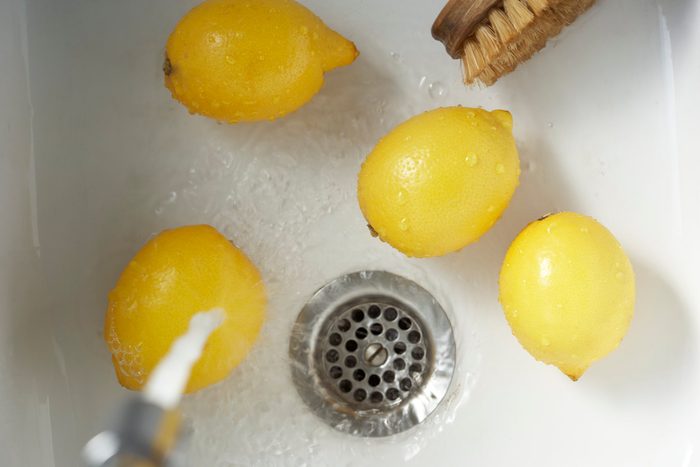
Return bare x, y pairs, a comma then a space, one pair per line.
247, 60
440, 180
175, 275
567, 289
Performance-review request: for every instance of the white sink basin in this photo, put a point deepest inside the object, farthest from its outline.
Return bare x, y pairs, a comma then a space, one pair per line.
95, 157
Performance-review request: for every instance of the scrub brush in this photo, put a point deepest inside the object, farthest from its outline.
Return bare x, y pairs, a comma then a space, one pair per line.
493, 36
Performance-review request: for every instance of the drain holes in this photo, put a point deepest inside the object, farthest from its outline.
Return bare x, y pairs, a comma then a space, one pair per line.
360, 395
358, 375
332, 356
414, 337
357, 315
381, 333
344, 325
345, 386
418, 353
335, 339
364, 339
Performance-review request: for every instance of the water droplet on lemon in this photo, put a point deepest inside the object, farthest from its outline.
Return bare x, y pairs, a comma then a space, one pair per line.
401, 197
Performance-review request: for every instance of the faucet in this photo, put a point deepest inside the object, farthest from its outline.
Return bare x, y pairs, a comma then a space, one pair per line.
145, 434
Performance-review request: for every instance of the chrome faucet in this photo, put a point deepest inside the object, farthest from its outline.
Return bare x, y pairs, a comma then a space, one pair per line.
144, 434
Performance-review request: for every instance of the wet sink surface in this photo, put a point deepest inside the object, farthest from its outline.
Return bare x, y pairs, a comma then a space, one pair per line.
601, 122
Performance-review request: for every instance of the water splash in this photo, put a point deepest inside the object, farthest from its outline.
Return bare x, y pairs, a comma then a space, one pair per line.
168, 379
437, 90
281, 198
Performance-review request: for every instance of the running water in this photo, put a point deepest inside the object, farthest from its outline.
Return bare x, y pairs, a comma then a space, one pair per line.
169, 378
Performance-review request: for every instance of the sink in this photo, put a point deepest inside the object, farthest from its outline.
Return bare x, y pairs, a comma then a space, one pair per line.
95, 157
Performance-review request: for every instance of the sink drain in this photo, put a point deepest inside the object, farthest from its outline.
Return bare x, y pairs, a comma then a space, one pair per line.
372, 353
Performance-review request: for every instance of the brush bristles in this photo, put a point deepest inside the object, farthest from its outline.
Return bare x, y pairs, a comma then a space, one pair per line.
481, 49
503, 27
518, 13
538, 6
473, 60
489, 43
512, 34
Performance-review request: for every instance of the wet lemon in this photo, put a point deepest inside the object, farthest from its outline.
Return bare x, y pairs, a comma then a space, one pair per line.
567, 289
246, 60
440, 180
175, 275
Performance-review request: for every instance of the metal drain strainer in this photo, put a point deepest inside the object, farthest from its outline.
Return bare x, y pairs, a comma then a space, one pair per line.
372, 353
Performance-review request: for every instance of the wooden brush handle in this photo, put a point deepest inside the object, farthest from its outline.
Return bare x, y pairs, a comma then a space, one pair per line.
458, 20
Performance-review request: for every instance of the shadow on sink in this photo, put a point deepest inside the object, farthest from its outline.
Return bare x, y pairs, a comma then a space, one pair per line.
653, 360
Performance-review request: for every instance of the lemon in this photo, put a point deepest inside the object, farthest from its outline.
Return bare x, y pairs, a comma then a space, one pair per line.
175, 275
247, 60
567, 289
440, 180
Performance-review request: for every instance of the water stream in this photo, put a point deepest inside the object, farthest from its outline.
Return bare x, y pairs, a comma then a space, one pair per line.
170, 376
